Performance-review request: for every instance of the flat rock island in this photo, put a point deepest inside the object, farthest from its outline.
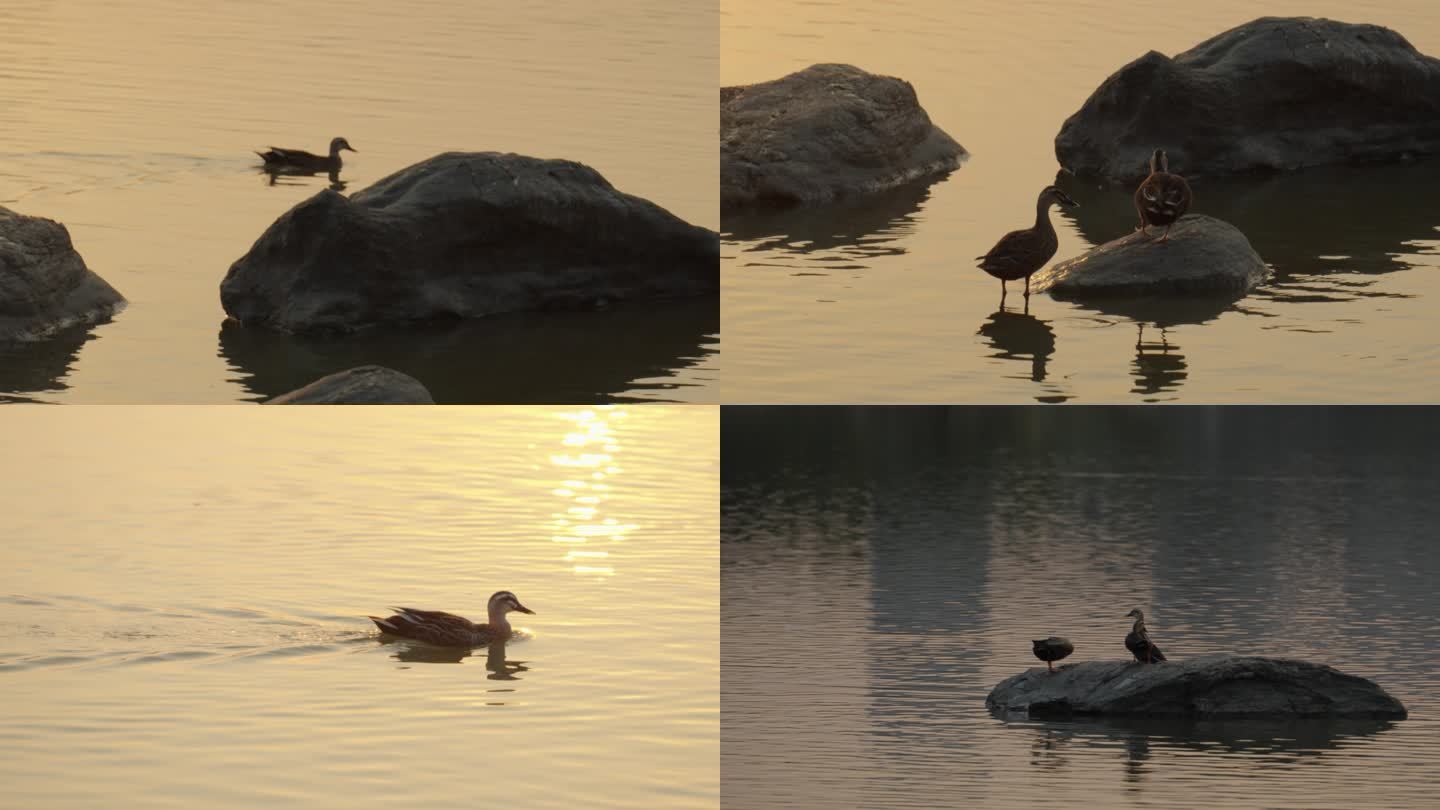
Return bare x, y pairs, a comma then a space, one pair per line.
825, 132
45, 286
1205, 687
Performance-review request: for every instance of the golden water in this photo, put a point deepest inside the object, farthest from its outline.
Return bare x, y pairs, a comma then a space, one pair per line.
185, 592
133, 124
881, 301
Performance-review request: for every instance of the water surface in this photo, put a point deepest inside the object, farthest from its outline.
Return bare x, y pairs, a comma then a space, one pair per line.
186, 589
882, 569
880, 300
133, 124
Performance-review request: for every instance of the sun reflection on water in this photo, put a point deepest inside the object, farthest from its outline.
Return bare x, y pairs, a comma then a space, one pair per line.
589, 458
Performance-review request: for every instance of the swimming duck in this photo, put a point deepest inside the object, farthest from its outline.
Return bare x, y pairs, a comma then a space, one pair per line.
1163, 197
277, 158
1052, 649
450, 630
1019, 254
1138, 640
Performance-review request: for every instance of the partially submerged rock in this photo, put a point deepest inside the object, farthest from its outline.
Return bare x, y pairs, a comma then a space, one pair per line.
1274, 94
465, 235
825, 132
1207, 686
45, 286
365, 385
1203, 256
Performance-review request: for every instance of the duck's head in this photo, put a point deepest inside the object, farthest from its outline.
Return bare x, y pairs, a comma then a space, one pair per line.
1159, 162
1053, 194
505, 602
337, 144
1136, 613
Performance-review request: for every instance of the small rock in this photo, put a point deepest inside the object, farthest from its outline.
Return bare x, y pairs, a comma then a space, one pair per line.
825, 132
365, 385
44, 284
1206, 686
1204, 255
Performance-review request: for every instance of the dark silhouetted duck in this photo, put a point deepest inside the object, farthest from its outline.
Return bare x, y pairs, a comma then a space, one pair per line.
1138, 640
297, 160
449, 630
1052, 649
1162, 197
1019, 254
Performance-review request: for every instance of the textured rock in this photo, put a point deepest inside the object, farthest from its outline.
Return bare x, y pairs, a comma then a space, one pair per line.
825, 132
465, 235
44, 284
366, 385
1207, 686
1203, 256
1274, 94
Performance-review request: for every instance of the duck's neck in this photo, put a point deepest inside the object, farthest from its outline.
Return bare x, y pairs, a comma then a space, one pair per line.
1139, 627
498, 622
1042, 215
335, 154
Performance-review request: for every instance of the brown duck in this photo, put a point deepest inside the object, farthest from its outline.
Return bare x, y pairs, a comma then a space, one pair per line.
1052, 649
1138, 640
1019, 254
1162, 197
449, 630
277, 159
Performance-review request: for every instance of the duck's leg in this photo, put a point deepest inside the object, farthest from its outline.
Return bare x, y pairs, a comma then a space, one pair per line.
1027, 288
1003, 291
1166, 237
1050, 665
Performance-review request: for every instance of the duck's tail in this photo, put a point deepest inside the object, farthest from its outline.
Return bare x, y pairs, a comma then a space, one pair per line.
384, 624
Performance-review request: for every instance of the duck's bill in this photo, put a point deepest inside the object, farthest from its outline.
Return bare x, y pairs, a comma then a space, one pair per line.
524, 609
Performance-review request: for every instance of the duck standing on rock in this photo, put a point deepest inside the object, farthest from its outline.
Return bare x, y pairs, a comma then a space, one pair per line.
1162, 197
296, 160
1052, 649
1138, 640
1019, 254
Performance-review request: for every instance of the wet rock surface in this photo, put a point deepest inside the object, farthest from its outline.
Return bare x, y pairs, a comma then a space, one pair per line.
1203, 256
822, 133
45, 286
365, 385
1274, 94
1206, 686
466, 235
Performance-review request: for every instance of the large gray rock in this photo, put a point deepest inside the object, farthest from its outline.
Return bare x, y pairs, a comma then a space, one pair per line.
1207, 686
465, 235
825, 132
44, 284
366, 385
1274, 94
1203, 256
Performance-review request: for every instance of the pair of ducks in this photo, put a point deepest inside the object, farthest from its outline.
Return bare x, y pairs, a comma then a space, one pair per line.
449, 630
1160, 200
1137, 641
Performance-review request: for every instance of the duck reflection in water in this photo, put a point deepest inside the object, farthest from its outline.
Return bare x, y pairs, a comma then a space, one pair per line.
1157, 372
281, 176
500, 667
1020, 336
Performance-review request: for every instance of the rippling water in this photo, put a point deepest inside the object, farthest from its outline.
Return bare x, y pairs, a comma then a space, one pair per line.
185, 592
880, 301
134, 123
883, 569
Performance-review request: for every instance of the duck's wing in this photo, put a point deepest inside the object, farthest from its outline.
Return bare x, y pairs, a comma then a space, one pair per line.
1016, 250
433, 626
276, 154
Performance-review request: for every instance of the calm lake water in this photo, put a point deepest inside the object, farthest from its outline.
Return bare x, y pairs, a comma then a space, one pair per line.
880, 300
186, 588
134, 123
882, 569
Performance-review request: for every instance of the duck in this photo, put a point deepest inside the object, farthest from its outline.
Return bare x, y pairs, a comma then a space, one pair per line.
1052, 649
1019, 254
449, 630
297, 160
1162, 197
1138, 640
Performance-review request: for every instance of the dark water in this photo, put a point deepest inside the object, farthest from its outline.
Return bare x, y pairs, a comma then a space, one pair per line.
883, 568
